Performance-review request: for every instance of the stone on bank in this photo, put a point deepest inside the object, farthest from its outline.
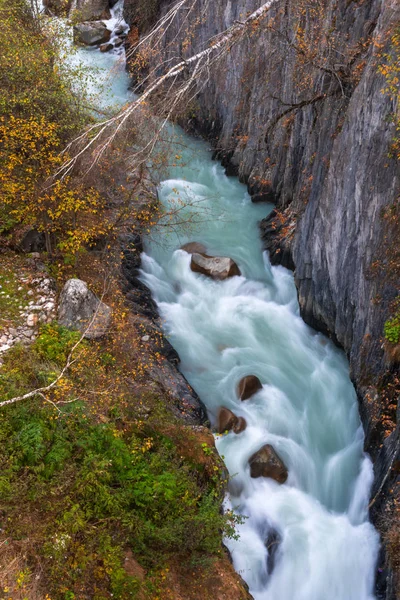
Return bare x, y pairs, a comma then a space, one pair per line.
80, 309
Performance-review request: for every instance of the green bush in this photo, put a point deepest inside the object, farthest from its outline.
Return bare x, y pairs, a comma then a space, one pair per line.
55, 343
392, 329
102, 488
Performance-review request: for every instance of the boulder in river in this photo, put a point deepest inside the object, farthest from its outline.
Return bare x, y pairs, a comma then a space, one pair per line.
194, 248
216, 267
80, 309
240, 425
266, 463
91, 33
248, 386
227, 420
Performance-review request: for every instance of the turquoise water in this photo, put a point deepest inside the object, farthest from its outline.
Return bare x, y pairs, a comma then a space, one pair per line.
307, 409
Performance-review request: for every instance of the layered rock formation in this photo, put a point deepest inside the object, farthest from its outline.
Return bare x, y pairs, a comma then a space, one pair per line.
297, 109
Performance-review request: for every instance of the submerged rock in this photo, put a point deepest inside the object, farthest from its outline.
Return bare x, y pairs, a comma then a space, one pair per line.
248, 386
266, 463
80, 309
106, 47
91, 33
216, 267
194, 248
272, 544
240, 425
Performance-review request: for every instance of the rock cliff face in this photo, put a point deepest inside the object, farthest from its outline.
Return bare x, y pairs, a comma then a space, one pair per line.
296, 109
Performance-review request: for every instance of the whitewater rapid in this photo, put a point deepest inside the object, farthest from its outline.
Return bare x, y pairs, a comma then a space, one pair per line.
307, 409
316, 524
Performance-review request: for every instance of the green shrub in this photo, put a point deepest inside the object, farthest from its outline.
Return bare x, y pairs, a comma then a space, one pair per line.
101, 489
55, 343
392, 329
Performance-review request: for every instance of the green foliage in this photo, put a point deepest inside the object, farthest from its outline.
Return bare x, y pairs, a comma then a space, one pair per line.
55, 343
392, 329
102, 486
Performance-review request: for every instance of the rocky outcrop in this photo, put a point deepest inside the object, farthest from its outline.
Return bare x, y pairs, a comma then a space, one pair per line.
266, 463
248, 386
91, 33
216, 267
80, 309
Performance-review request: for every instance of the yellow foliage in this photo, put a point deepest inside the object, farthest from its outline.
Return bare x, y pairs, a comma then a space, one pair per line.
38, 114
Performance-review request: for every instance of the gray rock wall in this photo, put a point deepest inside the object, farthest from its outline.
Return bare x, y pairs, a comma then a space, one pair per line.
326, 161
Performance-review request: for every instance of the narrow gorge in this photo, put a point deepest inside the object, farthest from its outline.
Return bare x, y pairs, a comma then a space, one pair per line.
210, 408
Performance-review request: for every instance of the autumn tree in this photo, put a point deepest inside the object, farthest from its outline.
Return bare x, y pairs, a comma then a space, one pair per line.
39, 113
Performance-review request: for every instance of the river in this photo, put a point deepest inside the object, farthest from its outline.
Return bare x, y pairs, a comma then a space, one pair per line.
323, 546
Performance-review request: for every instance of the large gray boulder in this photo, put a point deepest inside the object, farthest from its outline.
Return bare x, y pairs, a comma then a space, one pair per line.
266, 463
90, 10
216, 267
80, 309
91, 33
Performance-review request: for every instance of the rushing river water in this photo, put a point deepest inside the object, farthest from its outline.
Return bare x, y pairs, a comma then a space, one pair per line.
307, 409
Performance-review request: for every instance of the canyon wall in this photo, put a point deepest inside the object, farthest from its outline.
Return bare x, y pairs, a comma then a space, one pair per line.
297, 109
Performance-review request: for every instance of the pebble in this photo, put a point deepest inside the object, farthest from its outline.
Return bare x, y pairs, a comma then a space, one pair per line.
145, 338
40, 309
